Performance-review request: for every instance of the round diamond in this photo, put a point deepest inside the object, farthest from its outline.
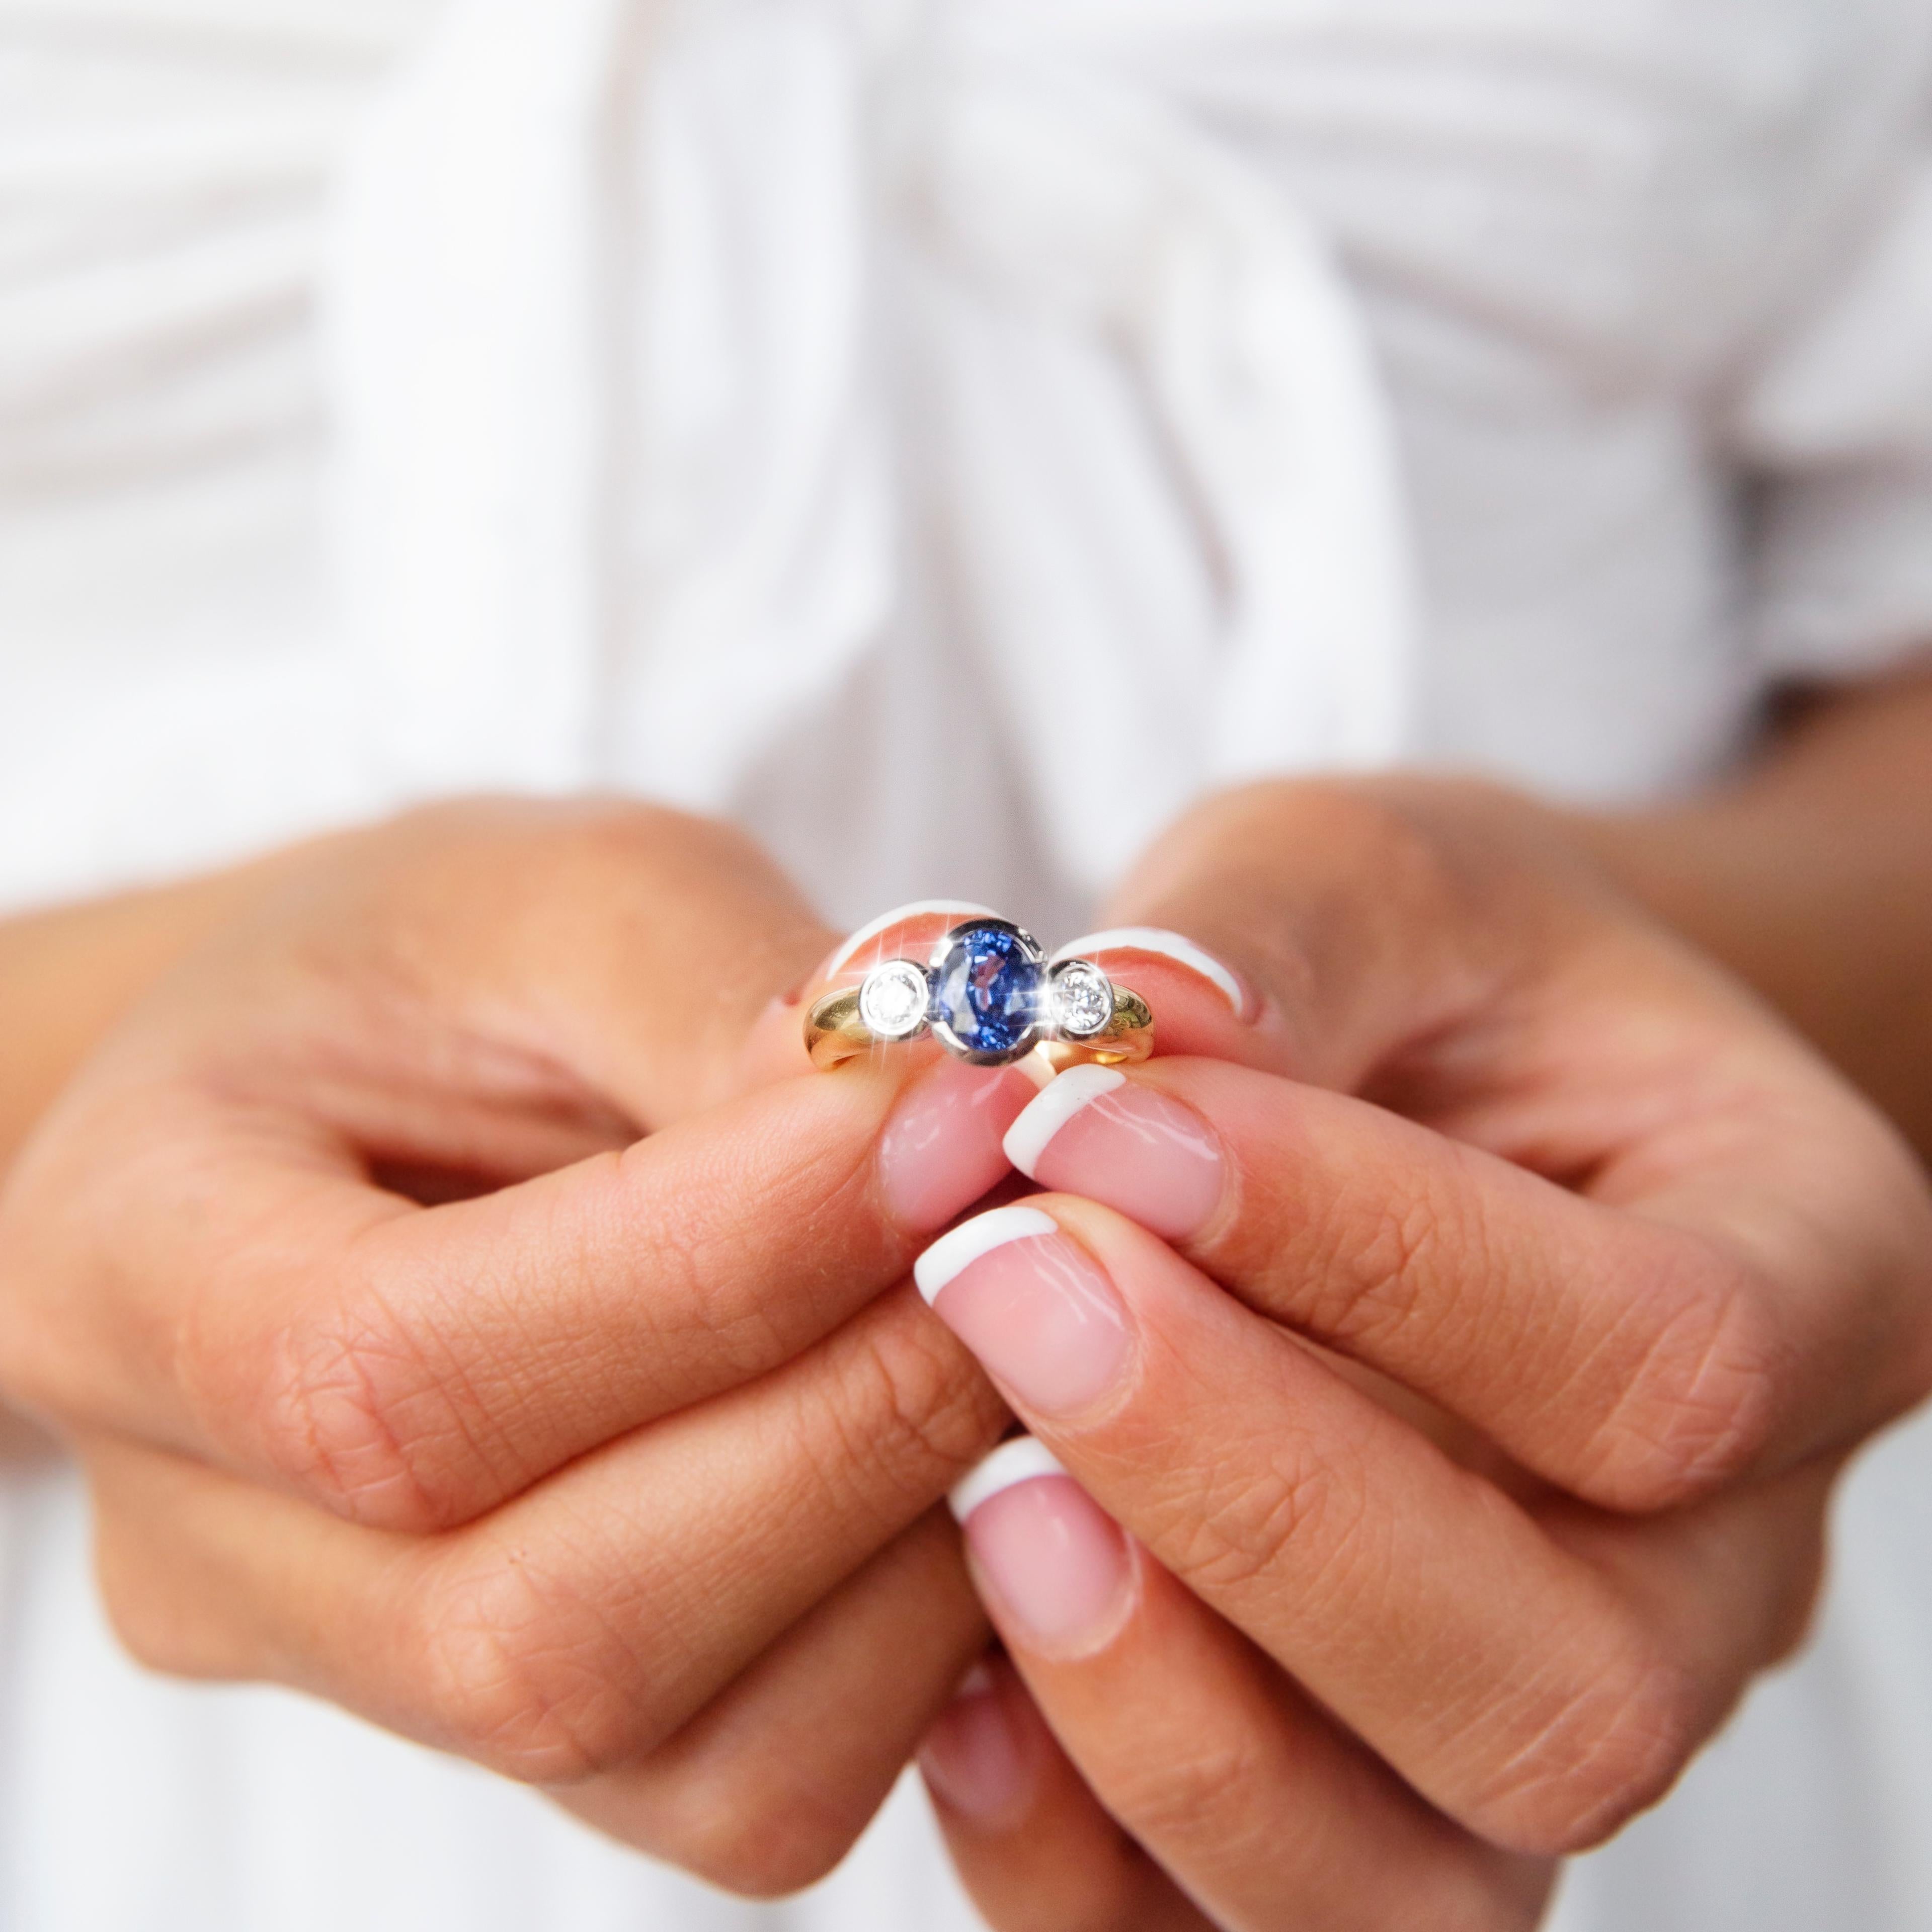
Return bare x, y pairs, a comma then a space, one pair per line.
892, 1002
1083, 999
986, 989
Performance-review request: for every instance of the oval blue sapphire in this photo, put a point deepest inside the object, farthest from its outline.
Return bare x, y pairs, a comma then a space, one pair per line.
986, 990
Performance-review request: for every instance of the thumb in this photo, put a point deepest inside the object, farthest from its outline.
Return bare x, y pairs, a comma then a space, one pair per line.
1361, 919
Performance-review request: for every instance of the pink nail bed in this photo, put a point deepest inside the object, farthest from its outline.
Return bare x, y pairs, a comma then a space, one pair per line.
1093, 1131
1057, 1563
941, 1150
1035, 1307
973, 1758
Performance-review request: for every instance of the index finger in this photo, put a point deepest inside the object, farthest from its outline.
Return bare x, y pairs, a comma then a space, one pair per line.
250, 1300
1635, 1351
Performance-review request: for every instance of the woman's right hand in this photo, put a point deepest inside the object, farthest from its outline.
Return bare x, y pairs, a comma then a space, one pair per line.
449, 1326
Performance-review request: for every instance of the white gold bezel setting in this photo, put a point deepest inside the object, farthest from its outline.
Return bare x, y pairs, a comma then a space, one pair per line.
1079, 1001
894, 999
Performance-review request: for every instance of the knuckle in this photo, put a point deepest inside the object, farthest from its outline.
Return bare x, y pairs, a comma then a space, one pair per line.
1226, 1529
1699, 1407
1612, 1746
353, 1412
367, 1409
1181, 1794
1378, 1250
694, 1268
517, 1677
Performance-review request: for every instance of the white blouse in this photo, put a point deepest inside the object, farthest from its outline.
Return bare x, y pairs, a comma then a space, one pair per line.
980, 426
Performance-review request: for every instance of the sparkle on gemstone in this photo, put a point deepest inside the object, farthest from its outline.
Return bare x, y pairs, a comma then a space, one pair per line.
986, 990
1083, 999
891, 1001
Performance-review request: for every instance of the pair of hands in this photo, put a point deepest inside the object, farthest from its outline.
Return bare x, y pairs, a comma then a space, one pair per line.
1464, 1334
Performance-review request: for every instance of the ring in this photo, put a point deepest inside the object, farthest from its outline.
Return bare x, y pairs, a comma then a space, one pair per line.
989, 996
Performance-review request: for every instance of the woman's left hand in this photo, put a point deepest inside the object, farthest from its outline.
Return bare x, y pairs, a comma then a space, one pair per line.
1466, 1355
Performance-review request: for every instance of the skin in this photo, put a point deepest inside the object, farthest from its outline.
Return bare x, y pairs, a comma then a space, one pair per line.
458, 1315
272, 1121
1607, 1280
1826, 836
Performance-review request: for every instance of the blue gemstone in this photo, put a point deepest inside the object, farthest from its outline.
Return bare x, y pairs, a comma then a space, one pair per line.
987, 990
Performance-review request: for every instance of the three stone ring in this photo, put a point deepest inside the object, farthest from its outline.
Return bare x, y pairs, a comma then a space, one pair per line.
988, 995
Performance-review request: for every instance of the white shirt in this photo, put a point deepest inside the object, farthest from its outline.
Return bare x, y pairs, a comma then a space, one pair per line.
1267, 384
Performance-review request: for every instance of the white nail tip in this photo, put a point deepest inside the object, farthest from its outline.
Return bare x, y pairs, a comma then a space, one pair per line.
952, 1254
1050, 1110
1168, 946
1024, 1459
918, 909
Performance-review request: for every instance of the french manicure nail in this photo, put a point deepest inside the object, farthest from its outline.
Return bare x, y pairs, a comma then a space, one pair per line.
1020, 1459
1057, 1564
973, 1759
1164, 945
1033, 1305
941, 1149
954, 910
1093, 1131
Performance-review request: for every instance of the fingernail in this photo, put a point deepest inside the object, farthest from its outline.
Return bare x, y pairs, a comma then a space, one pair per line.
954, 910
941, 1149
973, 1759
1094, 1132
1033, 1305
1057, 1563
1165, 945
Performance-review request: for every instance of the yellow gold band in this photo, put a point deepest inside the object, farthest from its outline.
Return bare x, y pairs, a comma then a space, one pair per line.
835, 1033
